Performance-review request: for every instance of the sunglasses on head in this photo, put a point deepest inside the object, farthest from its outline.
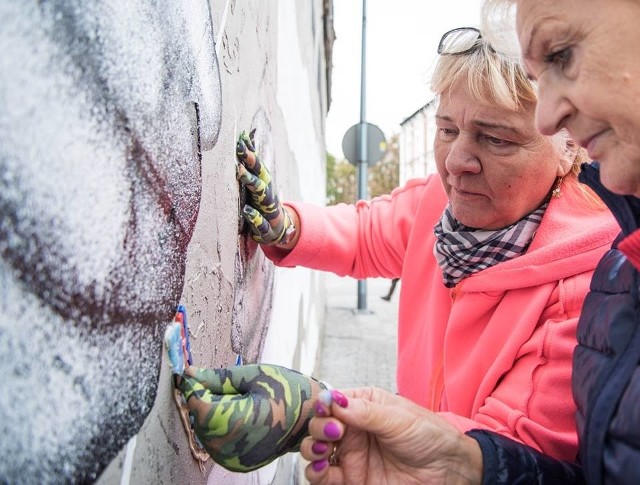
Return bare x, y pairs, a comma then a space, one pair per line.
462, 40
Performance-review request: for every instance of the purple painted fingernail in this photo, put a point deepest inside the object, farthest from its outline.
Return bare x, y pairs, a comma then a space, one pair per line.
319, 465
340, 399
331, 431
320, 410
319, 447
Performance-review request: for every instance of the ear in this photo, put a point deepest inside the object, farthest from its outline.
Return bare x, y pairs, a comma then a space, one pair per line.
568, 157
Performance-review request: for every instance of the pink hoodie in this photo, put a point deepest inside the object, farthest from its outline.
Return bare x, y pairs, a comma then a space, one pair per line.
494, 352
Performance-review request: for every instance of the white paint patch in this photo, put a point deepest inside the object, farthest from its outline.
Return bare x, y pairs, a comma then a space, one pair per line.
223, 23
127, 465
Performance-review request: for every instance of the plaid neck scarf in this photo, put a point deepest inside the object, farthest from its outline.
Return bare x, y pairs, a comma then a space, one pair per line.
462, 251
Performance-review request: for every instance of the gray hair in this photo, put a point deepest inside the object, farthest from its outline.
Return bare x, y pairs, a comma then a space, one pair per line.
498, 24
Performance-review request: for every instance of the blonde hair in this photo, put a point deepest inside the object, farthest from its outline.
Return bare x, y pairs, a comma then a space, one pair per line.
496, 76
492, 77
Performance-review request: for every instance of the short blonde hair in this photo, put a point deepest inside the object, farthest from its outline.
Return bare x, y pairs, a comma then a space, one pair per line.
492, 77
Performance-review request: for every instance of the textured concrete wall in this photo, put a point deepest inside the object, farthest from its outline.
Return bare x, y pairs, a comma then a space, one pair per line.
119, 201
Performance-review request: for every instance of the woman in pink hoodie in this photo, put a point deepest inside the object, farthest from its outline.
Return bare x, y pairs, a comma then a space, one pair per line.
495, 253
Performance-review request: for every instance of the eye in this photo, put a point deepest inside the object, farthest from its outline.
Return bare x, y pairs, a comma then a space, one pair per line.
447, 133
560, 58
498, 142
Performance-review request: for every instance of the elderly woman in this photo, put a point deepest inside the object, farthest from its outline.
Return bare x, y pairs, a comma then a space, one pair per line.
495, 255
582, 55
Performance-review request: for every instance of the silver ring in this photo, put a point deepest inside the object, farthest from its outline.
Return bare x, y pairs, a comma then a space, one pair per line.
333, 459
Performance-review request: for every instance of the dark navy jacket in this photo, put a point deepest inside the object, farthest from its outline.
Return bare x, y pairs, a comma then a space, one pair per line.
606, 377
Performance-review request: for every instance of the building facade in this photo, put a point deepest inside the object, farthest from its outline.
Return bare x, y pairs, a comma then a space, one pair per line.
417, 133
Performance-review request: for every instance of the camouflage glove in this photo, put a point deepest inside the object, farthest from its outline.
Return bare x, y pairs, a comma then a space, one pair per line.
268, 221
247, 416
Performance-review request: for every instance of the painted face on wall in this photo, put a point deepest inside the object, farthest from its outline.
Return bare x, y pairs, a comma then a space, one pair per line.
104, 113
494, 165
583, 54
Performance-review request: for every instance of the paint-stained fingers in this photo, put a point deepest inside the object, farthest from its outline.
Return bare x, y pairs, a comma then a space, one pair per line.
261, 194
247, 156
243, 379
260, 228
252, 182
215, 380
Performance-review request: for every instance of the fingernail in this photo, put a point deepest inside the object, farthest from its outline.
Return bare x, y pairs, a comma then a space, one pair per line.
320, 410
319, 465
325, 397
331, 431
340, 399
319, 447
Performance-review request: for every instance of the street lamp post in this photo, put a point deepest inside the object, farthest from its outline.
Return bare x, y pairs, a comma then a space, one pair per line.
363, 156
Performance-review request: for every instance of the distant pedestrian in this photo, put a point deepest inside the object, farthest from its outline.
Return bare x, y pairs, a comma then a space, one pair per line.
388, 296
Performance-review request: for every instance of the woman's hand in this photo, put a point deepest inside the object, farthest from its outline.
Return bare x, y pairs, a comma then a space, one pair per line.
269, 222
382, 438
246, 416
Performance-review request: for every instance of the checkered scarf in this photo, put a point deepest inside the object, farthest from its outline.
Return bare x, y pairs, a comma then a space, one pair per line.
462, 251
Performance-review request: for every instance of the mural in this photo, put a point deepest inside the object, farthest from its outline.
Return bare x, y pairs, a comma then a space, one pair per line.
105, 108
118, 201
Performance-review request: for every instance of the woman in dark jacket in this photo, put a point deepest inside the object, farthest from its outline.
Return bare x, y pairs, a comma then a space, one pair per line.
583, 55
606, 373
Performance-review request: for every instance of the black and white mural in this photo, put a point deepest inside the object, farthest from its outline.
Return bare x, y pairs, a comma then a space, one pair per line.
105, 109
119, 201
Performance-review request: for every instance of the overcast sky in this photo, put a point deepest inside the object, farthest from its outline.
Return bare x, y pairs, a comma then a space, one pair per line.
402, 39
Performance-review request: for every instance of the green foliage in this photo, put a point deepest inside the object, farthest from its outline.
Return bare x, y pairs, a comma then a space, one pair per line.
342, 177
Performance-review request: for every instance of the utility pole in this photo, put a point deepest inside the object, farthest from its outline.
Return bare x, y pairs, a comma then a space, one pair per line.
363, 156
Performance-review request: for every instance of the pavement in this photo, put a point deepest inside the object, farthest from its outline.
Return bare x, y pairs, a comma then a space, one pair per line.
358, 347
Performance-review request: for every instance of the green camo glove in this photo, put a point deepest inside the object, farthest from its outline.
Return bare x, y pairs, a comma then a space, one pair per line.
247, 416
268, 221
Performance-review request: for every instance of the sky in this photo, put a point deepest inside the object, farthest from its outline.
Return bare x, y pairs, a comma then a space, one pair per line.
402, 39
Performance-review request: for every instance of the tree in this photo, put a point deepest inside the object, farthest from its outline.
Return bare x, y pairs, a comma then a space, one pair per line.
383, 177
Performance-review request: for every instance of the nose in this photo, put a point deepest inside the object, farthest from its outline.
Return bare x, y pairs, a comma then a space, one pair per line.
553, 109
462, 156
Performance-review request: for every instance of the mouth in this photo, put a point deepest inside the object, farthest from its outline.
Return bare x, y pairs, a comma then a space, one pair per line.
591, 143
464, 193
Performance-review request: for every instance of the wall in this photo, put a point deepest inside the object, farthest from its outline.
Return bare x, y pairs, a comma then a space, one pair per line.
119, 201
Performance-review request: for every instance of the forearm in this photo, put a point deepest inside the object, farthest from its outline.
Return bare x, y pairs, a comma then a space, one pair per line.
343, 240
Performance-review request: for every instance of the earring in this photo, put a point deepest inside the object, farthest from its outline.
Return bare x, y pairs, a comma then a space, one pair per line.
557, 191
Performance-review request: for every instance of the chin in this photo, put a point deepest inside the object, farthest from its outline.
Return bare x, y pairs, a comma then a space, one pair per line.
620, 182
472, 222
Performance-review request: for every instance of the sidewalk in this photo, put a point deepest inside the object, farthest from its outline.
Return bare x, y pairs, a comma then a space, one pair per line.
359, 348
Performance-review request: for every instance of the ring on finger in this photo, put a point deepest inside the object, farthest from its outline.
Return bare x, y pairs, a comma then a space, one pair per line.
333, 458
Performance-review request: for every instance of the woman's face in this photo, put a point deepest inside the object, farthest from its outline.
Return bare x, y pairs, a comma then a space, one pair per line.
583, 54
494, 165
